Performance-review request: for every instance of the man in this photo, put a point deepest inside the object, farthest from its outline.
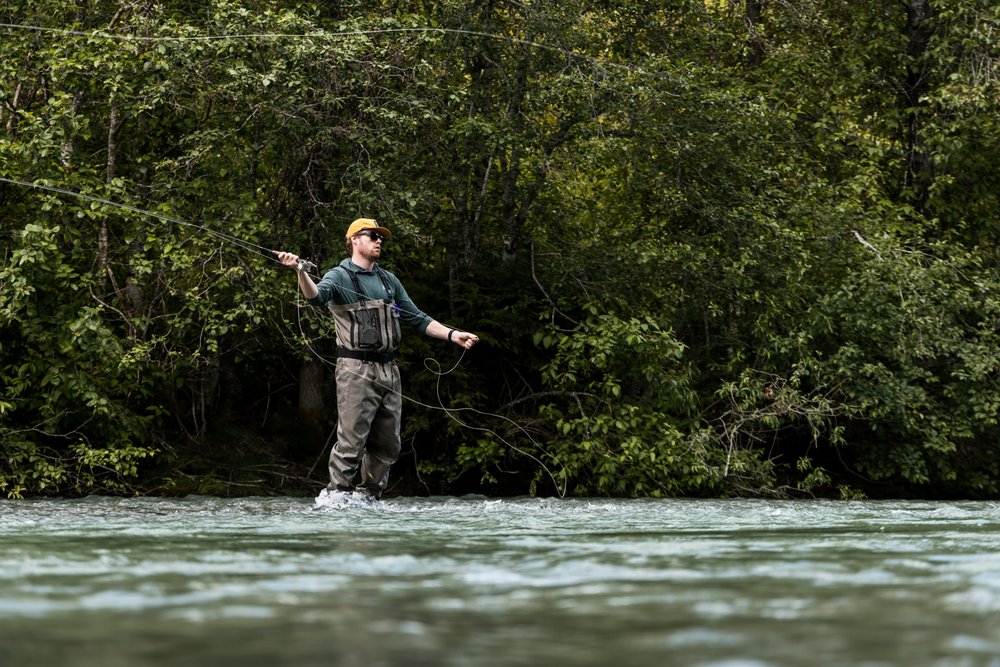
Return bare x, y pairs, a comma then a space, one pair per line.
367, 303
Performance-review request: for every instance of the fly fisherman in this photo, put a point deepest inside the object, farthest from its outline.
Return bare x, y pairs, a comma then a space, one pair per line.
367, 304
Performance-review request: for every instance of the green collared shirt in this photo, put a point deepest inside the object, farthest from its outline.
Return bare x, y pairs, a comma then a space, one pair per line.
337, 286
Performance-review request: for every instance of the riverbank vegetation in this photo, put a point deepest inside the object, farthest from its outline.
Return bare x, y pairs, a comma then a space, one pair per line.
711, 247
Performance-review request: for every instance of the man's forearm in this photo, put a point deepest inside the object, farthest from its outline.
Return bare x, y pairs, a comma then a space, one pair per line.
307, 285
437, 330
457, 336
291, 260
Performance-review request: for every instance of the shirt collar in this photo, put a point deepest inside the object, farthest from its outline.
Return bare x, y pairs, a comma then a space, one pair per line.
350, 265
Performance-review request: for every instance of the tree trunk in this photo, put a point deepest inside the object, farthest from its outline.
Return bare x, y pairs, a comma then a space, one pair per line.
755, 45
110, 174
919, 167
311, 406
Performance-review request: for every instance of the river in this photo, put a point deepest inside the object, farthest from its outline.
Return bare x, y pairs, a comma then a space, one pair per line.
475, 581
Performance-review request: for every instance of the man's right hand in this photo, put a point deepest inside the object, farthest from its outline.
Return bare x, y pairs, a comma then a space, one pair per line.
302, 268
294, 261
287, 258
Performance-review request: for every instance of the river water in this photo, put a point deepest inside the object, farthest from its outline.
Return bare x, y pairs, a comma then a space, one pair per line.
482, 582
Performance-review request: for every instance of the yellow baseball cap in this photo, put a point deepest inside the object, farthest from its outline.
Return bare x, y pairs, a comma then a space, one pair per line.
361, 224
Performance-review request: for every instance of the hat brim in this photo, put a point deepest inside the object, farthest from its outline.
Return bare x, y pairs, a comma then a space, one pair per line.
356, 229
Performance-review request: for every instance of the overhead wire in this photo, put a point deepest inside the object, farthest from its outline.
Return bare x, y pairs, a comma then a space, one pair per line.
319, 34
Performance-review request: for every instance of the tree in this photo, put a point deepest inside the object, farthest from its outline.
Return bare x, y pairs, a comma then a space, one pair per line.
712, 247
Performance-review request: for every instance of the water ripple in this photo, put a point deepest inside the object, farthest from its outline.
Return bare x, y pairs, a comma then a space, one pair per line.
460, 581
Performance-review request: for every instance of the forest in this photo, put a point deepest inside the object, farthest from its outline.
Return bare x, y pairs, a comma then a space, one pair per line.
711, 248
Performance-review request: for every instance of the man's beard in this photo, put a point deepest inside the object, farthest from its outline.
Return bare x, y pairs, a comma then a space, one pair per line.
372, 254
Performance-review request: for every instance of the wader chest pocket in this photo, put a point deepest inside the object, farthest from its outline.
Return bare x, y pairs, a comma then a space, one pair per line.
366, 327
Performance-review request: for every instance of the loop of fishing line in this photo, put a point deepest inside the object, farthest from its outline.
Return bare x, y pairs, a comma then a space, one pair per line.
450, 412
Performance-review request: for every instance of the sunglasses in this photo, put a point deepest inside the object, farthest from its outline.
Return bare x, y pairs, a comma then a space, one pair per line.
373, 235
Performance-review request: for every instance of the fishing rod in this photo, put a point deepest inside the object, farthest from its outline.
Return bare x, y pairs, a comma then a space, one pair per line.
309, 266
228, 238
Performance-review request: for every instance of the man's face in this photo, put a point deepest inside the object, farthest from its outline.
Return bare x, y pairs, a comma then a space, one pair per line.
369, 244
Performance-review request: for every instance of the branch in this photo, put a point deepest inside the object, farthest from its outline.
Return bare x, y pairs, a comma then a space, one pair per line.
548, 298
543, 395
866, 244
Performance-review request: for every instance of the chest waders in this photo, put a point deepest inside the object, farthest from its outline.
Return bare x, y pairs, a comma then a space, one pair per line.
369, 399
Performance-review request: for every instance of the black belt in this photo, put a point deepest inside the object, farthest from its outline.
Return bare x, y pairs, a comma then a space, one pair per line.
365, 356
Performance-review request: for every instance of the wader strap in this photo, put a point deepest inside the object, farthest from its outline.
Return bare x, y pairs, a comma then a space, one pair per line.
390, 294
366, 357
357, 286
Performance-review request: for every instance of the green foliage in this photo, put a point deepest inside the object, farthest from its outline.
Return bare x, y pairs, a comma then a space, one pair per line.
62, 380
915, 350
706, 254
620, 381
28, 469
